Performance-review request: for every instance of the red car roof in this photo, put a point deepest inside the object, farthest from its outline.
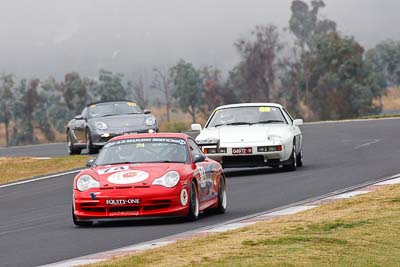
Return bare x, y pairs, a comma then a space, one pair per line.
151, 135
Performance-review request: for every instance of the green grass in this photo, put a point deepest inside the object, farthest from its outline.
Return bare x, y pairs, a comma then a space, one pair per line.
18, 168
362, 231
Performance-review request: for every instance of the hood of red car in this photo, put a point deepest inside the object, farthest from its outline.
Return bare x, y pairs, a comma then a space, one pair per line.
131, 174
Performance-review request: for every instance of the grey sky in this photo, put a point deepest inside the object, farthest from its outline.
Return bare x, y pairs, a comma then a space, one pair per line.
53, 37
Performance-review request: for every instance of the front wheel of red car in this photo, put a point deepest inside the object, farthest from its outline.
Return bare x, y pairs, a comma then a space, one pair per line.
194, 207
222, 199
80, 223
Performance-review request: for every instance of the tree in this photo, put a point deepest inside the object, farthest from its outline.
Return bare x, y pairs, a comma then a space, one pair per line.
216, 91
258, 65
138, 91
340, 83
109, 87
162, 81
188, 87
385, 60
75, 92
27, 99
52, 108
7, 99
306, 26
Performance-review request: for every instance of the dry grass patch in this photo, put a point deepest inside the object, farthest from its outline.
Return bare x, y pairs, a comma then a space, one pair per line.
363, 231
18, 168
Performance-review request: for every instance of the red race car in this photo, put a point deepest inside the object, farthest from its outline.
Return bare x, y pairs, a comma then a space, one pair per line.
148, 176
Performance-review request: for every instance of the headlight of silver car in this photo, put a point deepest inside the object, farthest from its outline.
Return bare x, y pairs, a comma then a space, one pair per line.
150, 121
101, 125
86, 182
170, 179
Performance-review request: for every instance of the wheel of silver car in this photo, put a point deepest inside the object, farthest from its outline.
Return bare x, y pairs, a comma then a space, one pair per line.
292, 162
72, 150
89, 143
222, 199
193, 214
300, 157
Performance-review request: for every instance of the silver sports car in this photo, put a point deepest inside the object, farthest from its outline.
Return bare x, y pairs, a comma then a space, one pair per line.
101, 121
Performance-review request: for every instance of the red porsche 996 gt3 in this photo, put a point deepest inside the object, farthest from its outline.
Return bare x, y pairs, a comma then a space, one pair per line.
148, 176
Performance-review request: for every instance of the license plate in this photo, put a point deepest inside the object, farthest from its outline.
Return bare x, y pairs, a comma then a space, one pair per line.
130, 201
242, 151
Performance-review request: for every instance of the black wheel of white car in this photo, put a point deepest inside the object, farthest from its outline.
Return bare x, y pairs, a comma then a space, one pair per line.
89, 143
222, 199
300, 157
292, 162
194, 206
72, 150
80, 223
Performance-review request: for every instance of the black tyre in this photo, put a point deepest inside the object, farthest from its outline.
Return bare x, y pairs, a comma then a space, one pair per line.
292, 162
80, 223
194, 206
72, 150
300, 158
89, 143
222, 198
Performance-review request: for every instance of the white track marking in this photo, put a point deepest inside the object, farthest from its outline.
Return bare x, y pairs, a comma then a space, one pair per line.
291, 210
40, 178
349, 194
389, 182
367, 144
227, 227
75, 263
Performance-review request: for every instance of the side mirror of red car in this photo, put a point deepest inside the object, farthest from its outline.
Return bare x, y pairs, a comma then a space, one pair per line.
90, 163
198, 158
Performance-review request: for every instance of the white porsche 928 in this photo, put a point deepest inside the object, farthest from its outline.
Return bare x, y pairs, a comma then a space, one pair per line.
252, 135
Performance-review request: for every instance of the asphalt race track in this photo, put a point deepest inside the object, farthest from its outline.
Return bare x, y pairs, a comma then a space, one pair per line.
36, 226
47, 150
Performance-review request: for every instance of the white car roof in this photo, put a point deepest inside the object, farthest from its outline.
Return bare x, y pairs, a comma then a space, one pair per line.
250, 105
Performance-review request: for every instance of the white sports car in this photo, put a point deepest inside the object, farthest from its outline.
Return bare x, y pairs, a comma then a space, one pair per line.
252, 135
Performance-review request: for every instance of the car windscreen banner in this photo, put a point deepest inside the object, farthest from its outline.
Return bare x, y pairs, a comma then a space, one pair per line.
177, 141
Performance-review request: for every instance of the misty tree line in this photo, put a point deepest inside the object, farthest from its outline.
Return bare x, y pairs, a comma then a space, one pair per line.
319, 74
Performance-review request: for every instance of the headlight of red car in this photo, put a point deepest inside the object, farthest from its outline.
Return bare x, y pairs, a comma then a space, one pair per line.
170, 179
86, 182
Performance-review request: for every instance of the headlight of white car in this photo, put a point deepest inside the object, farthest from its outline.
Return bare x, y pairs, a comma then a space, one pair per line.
101, 125
86, 182
170, 179
275, 138
150, 121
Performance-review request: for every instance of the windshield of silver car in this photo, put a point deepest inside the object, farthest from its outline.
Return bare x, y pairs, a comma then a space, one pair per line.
113, 108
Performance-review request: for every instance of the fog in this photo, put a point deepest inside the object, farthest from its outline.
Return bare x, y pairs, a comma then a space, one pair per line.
52, 37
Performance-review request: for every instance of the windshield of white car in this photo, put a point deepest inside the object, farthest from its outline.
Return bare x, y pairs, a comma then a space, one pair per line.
113, 109
246, 115
144, 150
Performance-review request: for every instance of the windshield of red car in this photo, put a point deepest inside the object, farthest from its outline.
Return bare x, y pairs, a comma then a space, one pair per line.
113, 108
246, 116
144, 150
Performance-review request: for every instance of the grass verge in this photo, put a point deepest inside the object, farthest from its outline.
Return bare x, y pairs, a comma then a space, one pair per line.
363, 231
18, 168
